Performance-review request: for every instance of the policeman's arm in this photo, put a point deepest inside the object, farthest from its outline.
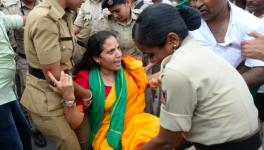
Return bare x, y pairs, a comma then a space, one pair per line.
54, 69
45, 36
166, 140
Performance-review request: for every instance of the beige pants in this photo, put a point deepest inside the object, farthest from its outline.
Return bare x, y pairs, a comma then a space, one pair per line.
57, 130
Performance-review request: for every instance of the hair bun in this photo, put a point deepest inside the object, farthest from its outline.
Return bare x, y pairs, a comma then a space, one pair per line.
191, 17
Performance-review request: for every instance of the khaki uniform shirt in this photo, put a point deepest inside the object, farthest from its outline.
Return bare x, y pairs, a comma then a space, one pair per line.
22, 10
205, 97
10, 7
124, 30
48, 39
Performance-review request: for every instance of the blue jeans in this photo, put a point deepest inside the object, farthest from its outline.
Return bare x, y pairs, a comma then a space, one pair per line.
15, 133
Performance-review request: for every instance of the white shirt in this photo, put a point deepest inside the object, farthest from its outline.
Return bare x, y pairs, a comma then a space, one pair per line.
241, 22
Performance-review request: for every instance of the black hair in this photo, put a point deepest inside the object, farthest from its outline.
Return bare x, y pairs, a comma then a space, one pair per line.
110, 3
93, 49
156, 21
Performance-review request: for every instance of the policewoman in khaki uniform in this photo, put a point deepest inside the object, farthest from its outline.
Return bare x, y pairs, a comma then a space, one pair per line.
121, 20
206, 101
49, 47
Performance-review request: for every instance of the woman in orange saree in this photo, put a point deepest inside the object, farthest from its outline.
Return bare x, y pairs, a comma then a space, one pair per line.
116, 116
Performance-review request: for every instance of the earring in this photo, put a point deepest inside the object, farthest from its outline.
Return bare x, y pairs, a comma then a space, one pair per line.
97, 61
174, 46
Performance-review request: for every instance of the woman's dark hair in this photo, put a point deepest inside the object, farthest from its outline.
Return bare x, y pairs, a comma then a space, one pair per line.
156, 21
93, 49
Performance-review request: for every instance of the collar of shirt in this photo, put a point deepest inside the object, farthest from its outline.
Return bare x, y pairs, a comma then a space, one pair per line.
231, 23
230, 48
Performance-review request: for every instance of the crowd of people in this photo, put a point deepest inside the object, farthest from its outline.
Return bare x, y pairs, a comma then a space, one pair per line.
82, 73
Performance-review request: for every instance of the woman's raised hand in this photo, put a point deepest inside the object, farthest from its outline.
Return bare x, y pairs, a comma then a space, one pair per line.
64, 86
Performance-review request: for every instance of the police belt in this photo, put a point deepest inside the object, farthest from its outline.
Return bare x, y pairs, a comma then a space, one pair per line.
252, 142
36, 72
39, 74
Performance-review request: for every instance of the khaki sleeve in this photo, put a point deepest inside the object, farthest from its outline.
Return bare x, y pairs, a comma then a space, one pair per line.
180, 101
45, 35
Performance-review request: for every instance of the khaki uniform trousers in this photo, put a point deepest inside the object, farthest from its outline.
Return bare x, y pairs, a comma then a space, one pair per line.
22, 71
58, 131
46, 112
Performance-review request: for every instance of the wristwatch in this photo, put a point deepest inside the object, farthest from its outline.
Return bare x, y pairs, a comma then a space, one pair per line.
68, 103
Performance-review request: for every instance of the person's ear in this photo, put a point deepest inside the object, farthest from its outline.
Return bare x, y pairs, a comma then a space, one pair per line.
96, 59
173, 40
